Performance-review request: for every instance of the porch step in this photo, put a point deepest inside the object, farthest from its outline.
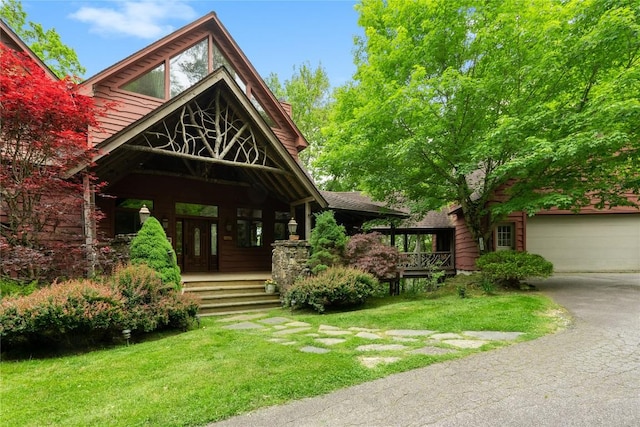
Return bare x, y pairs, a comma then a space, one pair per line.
229, 296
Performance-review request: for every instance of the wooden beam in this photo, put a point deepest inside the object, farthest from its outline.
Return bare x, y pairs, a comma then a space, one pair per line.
202, 159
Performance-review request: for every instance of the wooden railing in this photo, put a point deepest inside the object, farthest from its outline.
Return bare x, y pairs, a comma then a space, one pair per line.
427, 261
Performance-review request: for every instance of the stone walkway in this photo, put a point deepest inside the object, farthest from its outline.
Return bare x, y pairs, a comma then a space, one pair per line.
386, 346
585, 375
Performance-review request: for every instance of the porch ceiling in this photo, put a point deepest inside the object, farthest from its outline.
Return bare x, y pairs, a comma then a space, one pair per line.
210, 133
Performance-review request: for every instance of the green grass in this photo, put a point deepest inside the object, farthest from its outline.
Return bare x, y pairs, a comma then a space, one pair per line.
211, 373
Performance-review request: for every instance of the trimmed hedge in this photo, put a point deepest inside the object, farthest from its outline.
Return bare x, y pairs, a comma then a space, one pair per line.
335, 286
508, 268
83, 312
60, 312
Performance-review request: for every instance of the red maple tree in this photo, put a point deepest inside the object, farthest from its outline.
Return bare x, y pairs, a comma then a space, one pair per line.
43, 134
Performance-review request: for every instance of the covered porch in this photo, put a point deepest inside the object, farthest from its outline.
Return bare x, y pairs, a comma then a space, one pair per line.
213, 172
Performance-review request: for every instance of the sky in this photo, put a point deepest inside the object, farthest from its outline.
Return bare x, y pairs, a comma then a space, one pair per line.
275, 35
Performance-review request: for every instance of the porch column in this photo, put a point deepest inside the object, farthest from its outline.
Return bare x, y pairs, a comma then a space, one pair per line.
88, 224
289, 261
307, 222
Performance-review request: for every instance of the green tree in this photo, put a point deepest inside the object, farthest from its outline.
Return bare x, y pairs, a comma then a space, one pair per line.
328, 241
151, 247
457, 99
309, 93
61, 59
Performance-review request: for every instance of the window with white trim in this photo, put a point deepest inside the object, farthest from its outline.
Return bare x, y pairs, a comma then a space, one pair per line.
505, 237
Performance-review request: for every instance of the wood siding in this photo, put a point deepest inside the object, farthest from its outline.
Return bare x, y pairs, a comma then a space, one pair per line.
127, 107
466, 251
166, 191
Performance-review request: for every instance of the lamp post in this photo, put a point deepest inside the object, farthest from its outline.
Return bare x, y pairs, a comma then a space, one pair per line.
292, 225
144, 214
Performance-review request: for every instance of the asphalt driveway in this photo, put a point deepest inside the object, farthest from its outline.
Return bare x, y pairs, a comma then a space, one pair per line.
586, 375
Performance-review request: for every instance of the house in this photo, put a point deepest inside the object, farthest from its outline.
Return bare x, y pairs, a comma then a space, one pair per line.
198, 138
591, 240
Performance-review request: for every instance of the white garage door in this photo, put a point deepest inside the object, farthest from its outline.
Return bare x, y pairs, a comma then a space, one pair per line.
586, 243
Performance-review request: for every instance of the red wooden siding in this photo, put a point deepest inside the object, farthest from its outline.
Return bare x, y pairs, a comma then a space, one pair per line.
466, 248
165, 191
130, 107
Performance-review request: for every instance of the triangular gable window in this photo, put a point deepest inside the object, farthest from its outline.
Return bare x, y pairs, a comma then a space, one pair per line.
189, 67
150, 83
186, 69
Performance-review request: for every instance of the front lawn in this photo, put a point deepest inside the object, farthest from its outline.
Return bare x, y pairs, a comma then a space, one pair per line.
212, 372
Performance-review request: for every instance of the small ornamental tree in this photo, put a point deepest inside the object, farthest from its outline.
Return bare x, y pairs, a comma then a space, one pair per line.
152, 247
328, 241
43, 135
367, 252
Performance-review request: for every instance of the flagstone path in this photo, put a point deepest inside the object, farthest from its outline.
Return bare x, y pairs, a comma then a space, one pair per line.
386, 346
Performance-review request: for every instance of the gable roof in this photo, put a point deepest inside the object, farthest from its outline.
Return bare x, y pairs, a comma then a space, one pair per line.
9, 38
225, 42
124, 150
355, 201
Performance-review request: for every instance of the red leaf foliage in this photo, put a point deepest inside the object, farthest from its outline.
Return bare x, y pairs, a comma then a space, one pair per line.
43, 135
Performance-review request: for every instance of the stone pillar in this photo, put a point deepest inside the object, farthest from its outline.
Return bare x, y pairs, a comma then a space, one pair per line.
289, 261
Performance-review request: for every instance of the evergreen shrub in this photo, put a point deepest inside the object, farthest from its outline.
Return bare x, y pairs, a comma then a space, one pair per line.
508, 268
328, 241
335, 287
61, 312
152, 247
367, 252
80, 313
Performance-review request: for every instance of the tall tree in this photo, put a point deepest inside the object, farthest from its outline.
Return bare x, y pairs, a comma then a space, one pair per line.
43, 135
46, 44
308, 92
454, 100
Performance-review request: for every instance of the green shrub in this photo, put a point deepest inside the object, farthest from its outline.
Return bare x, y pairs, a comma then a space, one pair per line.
61, 312
152, 247
80, 313
328, 241
508, 268
335, 286
10, 287
149, 303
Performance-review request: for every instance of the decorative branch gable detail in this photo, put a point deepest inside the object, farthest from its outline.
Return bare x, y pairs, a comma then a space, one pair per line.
209, 131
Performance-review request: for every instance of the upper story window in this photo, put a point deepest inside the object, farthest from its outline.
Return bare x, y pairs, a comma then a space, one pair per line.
150, 83
184, 70
178, 73
189, 67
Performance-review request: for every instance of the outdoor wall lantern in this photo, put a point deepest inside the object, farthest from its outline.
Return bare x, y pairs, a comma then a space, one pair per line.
144, 214
292, 225
165, 223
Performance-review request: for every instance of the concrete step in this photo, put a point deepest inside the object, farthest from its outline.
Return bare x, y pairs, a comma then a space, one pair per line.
224, 289
220, 308
219, 297
233, 282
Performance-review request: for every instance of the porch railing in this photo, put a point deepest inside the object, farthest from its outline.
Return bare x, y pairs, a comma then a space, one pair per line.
427, 261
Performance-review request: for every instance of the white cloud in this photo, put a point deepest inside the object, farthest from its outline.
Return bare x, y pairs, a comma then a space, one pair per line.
145, 19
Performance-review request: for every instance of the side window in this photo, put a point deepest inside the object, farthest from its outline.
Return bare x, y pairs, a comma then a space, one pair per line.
280, 230
128, 214
505, 237
249, 225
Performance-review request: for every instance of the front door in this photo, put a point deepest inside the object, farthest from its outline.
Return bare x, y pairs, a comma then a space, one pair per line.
200, 245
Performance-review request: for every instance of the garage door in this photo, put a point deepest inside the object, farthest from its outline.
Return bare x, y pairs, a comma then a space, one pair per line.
586, 243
